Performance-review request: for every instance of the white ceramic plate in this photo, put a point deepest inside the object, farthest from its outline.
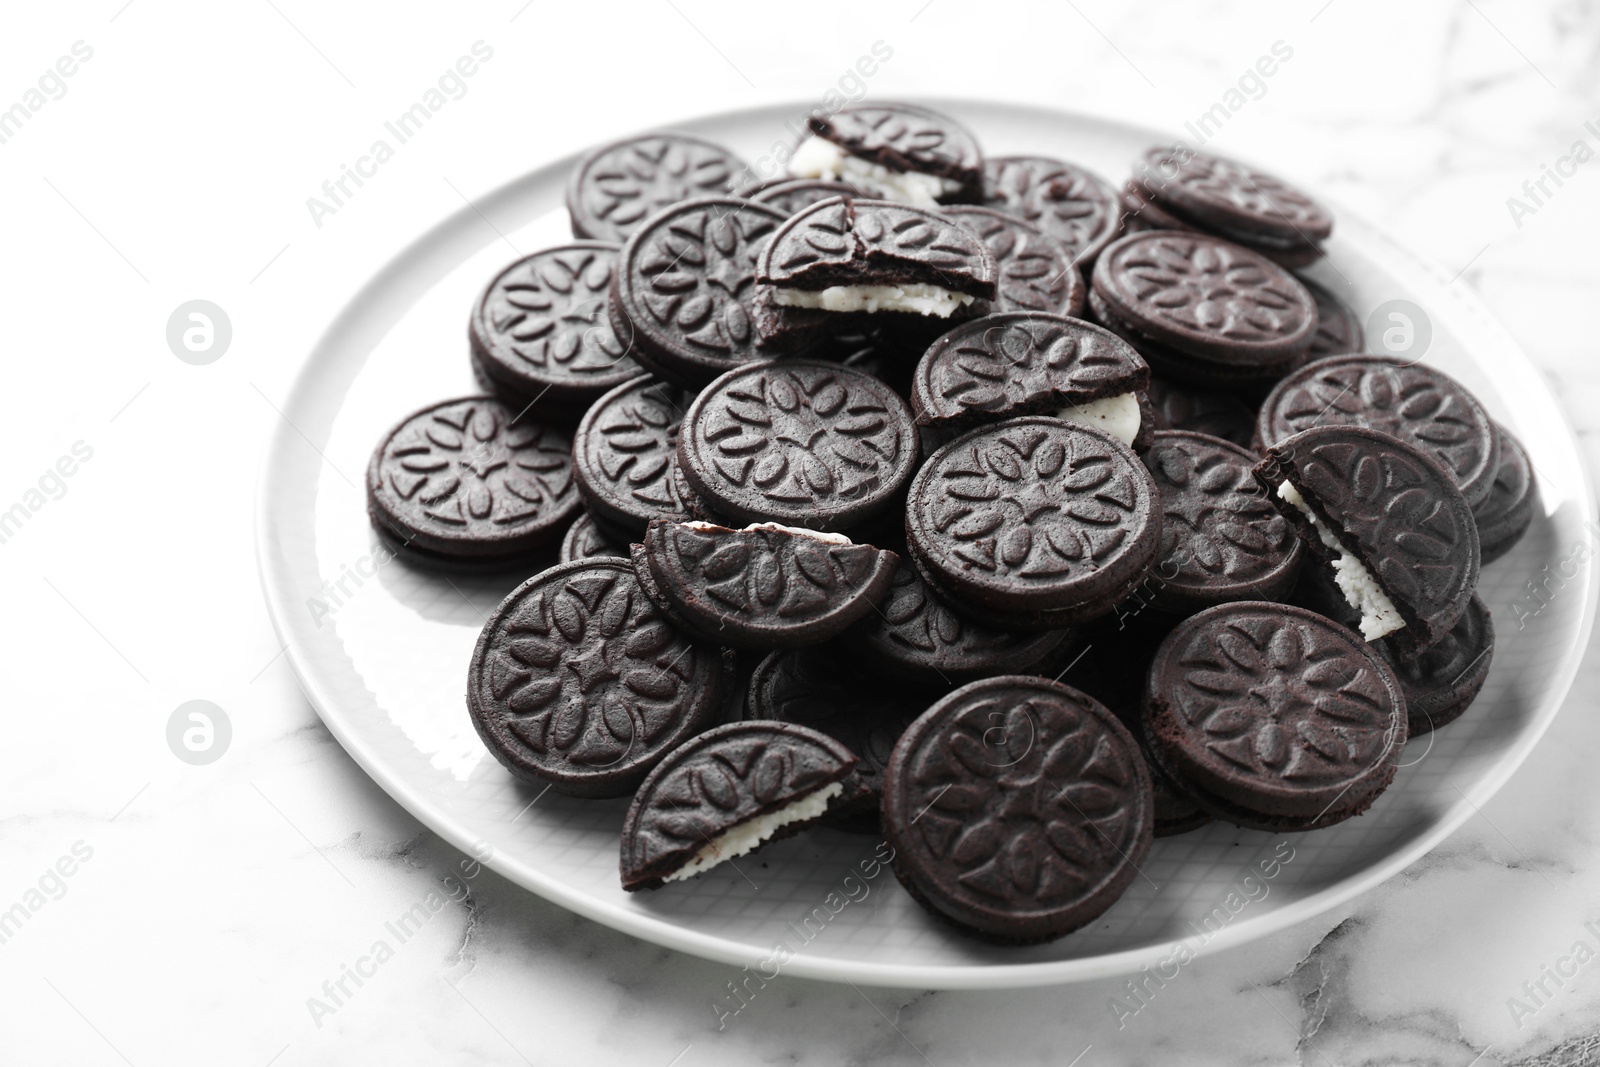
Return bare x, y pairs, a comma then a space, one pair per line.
386, 664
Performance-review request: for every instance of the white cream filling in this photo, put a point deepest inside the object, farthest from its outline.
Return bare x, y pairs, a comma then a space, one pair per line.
1361, 590
746, 837
799, 531
916, 297
817, 157
1116, 415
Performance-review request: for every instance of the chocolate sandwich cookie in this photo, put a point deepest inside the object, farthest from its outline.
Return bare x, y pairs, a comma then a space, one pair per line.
1233, 201
1446, 679
1034, 272
1177, 406
894, 151
1110, 663
617, 186
1339, 332
797, 194
1505, 514
1075, 206
1274, 718
800, 442
623, 454
915, 639
578, 681
869, 258
1140, 213
1031, 363
1423, 406
725, 793
1019, 809
468, 482
685, 283
584, 540
1389, 521
811, 687
1198, 372
1221, 539
766, 586
1033, 523
1201, 296
541, 335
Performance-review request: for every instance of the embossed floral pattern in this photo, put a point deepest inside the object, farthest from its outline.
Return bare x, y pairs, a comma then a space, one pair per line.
621, 185
625, 449
1217, 528
901, 137
545, 318
832, 242
1211, 186
1033, 272
766, 574
1077, 208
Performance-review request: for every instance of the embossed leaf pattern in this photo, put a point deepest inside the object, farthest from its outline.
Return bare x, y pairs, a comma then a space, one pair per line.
1024, 798
759, 572
1217, 180
1279, 698
1033, 272
803, 434
468, 467
1003, 365
832, 234
1034, 504
912, 617
1215, 521
695, 277
1065, 202
589, 670
636, 179
1209, 287
918, 137
549, 312
723, 783
1405, 402
633, 445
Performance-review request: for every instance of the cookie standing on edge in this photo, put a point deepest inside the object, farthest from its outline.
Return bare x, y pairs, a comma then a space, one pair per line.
725, 793
1446, 679
893, 152
1506, 513
540, 331
1273, 717
1388, 520
1033, 523
617, 186
1019, 809
798, 442
766, 586
579, 682
467, 482
685, 284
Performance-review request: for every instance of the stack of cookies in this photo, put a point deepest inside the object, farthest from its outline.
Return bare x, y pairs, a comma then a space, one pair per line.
962, 500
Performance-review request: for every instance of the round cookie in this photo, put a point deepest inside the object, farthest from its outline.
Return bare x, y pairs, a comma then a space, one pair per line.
1274, 718
1446, 679
725, 793
809, 686
797, 194
584, 540
1222, 196
761, 587
1183, 407
623, 456
1019, 809
579, 682
618, 185
1205, 297
1339, 332
1505, 514
906, 138
1389, 521
685, 282
1421, 405
799, 442
466, 481
1034, 272
916, 639
1022, 363
1075, 206
1221, 539
1033, 523
540, 332
1189, 369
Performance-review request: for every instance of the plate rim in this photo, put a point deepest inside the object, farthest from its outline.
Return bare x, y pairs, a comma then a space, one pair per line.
984, 975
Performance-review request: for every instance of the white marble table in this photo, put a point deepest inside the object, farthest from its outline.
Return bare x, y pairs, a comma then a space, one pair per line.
206, 914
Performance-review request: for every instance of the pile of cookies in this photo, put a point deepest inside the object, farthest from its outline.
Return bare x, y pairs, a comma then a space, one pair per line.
973, 502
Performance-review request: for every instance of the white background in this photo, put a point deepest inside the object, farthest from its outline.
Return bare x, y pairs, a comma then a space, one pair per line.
177, 166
